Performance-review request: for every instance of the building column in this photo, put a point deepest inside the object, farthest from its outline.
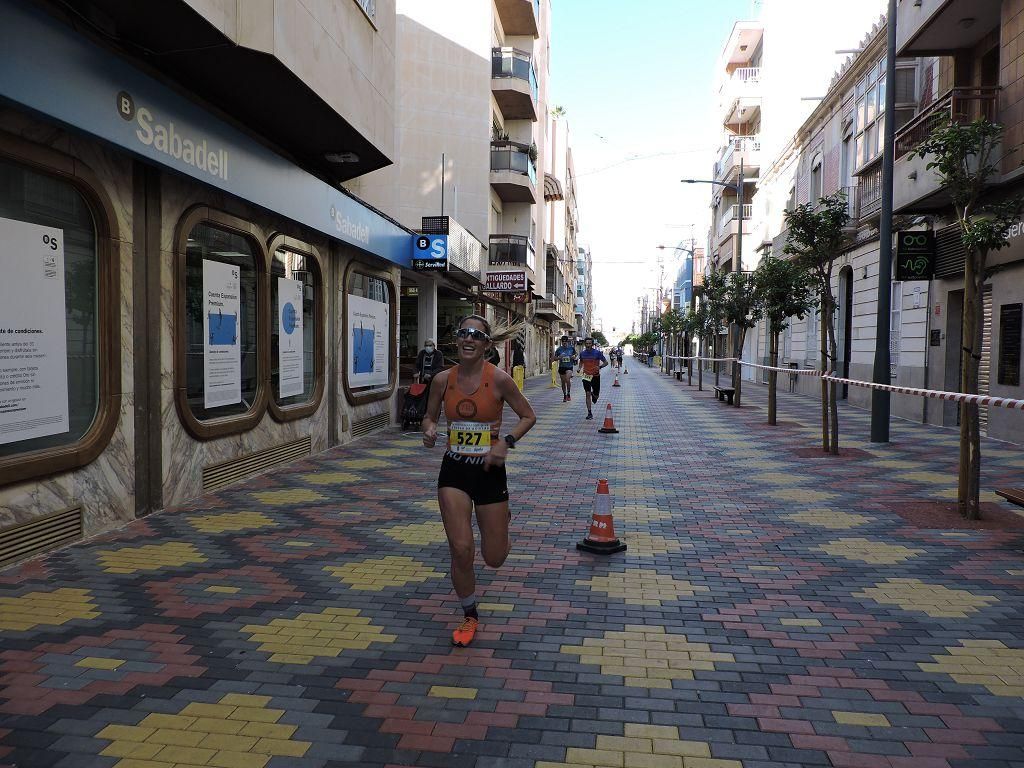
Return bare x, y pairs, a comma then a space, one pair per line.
426, 311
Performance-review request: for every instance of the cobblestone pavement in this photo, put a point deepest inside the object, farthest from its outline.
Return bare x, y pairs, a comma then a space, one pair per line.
771, 609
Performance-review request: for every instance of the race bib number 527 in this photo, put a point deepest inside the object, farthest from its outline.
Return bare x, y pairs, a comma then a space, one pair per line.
469, 438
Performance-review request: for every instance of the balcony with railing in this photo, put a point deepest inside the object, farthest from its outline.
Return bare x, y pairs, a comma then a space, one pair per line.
513, 171
740, 96
511, 251
728, 224
514, 83
519, 18
916, 188
739, 149
937, 27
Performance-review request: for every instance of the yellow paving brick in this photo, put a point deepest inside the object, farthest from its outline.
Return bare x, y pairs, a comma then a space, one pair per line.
228, 759
256, 714
861, 718
643, 731
134, 762
448, 692
173, 722
199, 709
131, 749
268, 730
92, 662
599, 757
210, 725
681, 748
166, 736
642, 760
800, 622
227, 742
245, 700
281, 747
186, 755
625, 744
125, 733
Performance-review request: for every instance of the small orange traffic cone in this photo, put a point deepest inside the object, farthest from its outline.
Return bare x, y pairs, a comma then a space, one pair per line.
601, 540
609, 423
626, 372
616, 382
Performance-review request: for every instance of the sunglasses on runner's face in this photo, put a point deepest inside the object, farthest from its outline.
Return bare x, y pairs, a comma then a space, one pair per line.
472, 333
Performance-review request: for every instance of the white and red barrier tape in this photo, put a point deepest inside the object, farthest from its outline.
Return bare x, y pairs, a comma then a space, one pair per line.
957, 397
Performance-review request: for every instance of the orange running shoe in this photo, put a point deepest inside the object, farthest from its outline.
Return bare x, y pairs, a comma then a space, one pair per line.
465, 632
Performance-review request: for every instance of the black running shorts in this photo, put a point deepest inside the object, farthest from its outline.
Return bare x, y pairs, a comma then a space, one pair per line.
593, 386
483, 486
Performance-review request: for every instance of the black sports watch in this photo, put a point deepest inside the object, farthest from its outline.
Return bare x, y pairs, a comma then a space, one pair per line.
510, 441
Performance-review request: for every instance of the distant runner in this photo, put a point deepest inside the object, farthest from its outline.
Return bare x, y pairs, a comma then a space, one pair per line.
566, 357
591, 362
473, 393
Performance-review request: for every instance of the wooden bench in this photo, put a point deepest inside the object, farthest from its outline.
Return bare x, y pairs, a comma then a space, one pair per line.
1014, 495
723, 393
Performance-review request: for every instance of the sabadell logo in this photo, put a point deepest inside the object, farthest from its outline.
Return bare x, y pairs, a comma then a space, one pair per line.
349, 228
166, 138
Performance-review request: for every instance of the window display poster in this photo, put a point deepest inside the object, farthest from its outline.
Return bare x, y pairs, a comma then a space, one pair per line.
33, 332
368, 324
222, 349
289, 337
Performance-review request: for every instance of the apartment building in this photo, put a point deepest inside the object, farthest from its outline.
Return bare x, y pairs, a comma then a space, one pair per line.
472, 161
972, 64
839, 148
584, 292
558, 305
180, 257
771, 73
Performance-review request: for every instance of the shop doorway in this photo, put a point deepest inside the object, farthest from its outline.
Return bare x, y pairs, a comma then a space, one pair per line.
954, 360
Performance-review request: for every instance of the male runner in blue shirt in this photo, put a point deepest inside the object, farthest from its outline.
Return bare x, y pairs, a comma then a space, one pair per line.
566, 357
591, 362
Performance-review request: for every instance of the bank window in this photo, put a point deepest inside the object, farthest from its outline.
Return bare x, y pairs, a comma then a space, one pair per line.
294, 287
221, 322
49, 313
369, 338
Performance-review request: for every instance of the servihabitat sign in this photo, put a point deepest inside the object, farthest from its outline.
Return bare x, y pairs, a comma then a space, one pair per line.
915, 255
506, 281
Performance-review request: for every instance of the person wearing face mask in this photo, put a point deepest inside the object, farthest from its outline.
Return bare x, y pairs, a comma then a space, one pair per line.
429, 363
472, 479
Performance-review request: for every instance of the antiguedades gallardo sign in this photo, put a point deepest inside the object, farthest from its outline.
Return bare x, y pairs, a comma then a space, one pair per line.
508, 281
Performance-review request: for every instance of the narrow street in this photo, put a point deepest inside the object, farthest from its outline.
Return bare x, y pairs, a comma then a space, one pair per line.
772, 609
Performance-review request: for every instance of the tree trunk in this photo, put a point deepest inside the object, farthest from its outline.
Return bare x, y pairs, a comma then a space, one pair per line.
773, 376
688, 342
968, 492
717, 343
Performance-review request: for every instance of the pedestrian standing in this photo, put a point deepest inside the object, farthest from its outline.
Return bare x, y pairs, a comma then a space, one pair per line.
473, 394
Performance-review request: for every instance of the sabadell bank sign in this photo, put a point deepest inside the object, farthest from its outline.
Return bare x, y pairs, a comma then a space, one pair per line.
165, 137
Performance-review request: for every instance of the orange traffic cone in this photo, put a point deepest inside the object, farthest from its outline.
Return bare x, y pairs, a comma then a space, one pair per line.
609, 423
626, 372
601, 539
616, 382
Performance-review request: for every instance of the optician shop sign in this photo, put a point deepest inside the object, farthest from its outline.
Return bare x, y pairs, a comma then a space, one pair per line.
915, 255
506, 281
83, 86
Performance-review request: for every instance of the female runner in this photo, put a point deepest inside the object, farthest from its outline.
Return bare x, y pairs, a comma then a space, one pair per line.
474, 393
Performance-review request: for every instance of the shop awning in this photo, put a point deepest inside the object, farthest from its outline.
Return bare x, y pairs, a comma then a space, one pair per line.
552, 188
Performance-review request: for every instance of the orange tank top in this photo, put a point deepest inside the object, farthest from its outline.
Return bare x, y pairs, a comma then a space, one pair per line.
474, 420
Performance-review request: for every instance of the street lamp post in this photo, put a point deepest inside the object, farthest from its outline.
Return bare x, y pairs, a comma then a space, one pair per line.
692, 252
737, 254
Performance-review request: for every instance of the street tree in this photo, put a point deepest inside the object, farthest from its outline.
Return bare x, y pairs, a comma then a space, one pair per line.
599, 338
742, 312
818, 234
672, 326
714, 297
964, 157
690, 330
782, 289
707, 325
